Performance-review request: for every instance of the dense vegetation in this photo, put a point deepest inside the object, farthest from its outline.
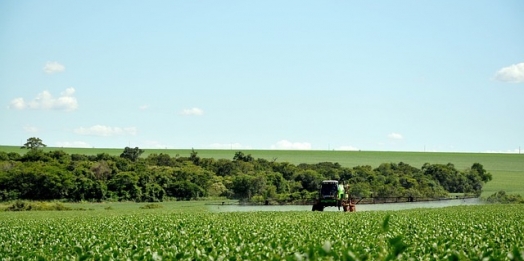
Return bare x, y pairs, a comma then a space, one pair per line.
489, 232
503, 198
39, 175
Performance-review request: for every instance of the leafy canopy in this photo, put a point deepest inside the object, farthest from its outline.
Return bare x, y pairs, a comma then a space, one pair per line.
33, 143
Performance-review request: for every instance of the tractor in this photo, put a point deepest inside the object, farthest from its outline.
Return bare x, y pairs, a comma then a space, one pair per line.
333, 194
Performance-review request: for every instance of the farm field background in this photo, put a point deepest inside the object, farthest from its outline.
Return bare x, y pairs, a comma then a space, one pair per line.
192, 230
507, 169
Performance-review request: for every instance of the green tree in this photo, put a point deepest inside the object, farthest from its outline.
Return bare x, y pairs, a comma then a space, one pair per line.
160, 160
184, 190
125, 186
153, 193
33, 143
483, 174
35, 155
217, 187
246, 186
86, 188
59, 156
359, 190
240, 156
224, 167
13, 156
194, 157
287, 169
277, 180
309, 179
131, 154
38, 181
3, 156
503, 198
101, 170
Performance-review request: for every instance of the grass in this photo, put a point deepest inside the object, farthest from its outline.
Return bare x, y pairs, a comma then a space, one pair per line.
507, 169
106, 209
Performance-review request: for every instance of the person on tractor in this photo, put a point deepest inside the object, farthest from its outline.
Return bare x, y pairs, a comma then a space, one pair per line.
340, 191
340, 194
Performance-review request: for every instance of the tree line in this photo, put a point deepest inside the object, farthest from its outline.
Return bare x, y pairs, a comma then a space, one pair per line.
56, 175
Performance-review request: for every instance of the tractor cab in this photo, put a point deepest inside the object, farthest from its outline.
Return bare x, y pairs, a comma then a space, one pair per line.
328, 195
329, 189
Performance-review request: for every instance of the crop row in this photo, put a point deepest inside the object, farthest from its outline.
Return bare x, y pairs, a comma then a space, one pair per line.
457, 233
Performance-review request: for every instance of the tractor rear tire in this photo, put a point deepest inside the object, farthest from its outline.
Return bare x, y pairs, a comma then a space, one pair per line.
317, 207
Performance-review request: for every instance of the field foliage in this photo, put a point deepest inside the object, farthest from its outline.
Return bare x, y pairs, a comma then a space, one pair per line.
56, 175
507, 169
489, 232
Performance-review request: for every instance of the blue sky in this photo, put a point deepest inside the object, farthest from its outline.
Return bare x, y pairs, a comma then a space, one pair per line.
319, 75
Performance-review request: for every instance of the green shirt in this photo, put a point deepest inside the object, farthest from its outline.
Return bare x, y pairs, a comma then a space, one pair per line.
340, 191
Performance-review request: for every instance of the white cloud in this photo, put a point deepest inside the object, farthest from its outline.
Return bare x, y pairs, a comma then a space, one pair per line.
395, 136
105, 131
46, 101
228, 146
287, 145
347, 148
53, 67
512, 74
143, 107
514, 151
192, 112
31, 129
17, 104
73, 144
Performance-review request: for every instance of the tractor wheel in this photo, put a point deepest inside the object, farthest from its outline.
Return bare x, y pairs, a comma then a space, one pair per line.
317, 207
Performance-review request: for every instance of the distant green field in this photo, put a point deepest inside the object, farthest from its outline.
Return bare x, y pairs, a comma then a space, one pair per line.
507, 169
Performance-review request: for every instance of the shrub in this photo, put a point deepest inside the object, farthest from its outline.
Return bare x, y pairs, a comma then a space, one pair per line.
151, 206
22, 205
503, 198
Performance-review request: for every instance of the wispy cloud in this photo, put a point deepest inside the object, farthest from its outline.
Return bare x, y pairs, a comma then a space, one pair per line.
143, 107
288, 145
350, 148
514, 151
73, 144
105, 131
46, 101
192, 112
228, 146
31, 129
53, 67
512, 74
395, 136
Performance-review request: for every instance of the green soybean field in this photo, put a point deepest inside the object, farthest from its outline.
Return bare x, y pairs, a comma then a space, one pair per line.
482, 232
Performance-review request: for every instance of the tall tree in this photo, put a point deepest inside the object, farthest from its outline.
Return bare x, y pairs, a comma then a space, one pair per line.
33, 143
131, 154
240, 156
